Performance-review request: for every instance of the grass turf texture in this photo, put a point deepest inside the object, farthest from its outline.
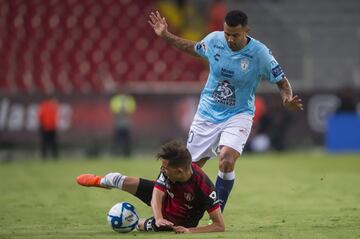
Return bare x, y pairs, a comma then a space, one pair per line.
292, 195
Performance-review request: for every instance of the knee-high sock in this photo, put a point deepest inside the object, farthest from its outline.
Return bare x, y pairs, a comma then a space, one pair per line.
224, 184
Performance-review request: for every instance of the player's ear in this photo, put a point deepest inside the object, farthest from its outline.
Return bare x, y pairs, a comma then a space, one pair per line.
180, 170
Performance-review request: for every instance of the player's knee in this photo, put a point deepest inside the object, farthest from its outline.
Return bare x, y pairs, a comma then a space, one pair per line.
227, 162
226, 165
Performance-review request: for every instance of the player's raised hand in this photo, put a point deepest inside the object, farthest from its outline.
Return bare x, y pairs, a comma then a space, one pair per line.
158, 23
293, 103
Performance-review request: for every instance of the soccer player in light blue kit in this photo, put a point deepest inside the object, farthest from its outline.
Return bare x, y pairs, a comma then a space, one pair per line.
223, 120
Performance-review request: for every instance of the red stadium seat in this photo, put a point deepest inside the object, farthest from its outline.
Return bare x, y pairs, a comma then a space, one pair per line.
84, 46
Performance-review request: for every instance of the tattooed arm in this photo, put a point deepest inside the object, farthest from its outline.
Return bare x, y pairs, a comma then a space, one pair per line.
159, 25
290, 102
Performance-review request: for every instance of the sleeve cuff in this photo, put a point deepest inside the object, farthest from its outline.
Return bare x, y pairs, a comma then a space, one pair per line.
159, 187
213, 208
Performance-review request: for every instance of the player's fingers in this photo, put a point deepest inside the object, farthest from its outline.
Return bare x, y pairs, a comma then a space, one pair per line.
152, 18
153, 14
169, 223
152, 25
158, 14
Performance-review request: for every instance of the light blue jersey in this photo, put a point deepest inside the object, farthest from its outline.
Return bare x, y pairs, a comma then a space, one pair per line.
234, 76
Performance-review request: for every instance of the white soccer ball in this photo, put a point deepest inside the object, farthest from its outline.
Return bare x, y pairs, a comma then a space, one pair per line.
122, 217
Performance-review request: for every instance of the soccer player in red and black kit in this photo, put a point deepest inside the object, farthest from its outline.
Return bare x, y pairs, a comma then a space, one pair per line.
178, 198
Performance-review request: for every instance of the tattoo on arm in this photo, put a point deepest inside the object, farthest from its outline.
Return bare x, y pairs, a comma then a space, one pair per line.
285, 88
180, 43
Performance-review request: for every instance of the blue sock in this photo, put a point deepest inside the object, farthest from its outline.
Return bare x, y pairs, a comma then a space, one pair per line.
224, 184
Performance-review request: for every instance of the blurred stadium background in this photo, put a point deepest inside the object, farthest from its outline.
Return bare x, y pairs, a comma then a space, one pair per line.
84, 51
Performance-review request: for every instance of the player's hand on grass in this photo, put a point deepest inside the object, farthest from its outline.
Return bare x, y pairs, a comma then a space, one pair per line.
163, 223
180, 229
293, 103
158, 23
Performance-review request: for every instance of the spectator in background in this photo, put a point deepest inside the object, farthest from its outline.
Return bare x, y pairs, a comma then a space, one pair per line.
270, 125
259, 139
347, 101
48, 119
217, 14
122, 107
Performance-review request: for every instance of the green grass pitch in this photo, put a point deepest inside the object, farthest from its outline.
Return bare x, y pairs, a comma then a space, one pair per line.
290, 195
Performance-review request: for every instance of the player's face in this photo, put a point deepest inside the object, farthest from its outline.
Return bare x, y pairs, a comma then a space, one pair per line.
172, 173
235, 36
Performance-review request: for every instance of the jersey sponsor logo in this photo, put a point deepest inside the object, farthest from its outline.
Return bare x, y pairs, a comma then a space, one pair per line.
244, 64
219, 47
247, 55
189, 197
277, 71
227, 73
224, 93
170, 193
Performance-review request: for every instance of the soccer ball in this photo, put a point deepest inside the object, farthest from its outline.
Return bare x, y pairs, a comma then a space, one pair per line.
122, 217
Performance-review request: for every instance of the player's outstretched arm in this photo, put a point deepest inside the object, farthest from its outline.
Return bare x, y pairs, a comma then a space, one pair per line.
159, 24
218, 224
289, 101
156, 203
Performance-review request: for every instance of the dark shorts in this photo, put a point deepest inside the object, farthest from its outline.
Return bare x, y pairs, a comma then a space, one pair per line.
144, 190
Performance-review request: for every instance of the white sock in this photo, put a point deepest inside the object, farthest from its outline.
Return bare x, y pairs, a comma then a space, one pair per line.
113, 180
227, 176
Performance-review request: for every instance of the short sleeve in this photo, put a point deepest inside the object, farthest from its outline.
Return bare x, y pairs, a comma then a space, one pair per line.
212, 201
160, 182
270, 68
202, 47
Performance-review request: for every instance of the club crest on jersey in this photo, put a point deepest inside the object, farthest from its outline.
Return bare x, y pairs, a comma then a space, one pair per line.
189, 197
244, 64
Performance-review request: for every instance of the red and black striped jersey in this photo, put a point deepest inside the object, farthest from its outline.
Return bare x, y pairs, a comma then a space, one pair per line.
184, 203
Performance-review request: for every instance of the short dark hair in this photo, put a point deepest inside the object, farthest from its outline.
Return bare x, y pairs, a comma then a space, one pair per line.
176, 153
235, 18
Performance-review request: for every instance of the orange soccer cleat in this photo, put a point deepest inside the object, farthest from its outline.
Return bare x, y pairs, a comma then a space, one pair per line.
90, 180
